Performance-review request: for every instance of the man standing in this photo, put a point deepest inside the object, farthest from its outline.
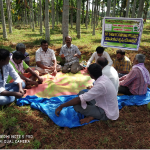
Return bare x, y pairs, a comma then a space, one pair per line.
109, 71
45, 60
71, 54
122, 63
136, 82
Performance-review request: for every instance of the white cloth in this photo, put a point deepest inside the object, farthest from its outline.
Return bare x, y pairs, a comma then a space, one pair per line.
8, 70
105, 96
45, 58
69, 54
112, 74
95, 56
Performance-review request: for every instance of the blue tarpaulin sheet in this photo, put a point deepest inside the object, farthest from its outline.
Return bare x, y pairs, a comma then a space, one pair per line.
68, 116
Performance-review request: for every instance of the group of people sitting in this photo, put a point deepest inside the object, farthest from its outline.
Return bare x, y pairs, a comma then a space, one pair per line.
98, 101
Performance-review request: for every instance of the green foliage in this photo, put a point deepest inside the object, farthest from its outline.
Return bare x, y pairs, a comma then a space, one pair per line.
36, 144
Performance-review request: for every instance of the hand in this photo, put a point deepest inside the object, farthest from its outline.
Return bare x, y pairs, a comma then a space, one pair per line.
51, 68
89, 87
75, 55
34, 83
18, 94
21, 91
58, 110
40, 80
55, 72
62, 56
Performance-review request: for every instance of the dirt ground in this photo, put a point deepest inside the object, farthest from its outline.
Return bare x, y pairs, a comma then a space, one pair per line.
130, 131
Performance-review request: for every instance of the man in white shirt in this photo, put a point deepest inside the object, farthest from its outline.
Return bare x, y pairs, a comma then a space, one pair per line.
45, 60
71, 54
99, 53
109, 71
8, 92
105, 96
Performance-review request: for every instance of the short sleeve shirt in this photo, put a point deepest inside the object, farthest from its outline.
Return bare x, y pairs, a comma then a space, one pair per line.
69, 54
45, 58
123, 65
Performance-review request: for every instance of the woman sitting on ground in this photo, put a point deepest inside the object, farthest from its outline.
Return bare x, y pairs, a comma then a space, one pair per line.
21, 67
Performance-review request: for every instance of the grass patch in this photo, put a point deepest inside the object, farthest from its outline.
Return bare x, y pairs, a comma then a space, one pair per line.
132, 128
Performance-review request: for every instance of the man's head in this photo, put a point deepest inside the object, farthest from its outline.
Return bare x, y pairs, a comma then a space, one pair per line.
120, 54
4, 57
18, 57
139, 58
102, 61
21, 47
68, 40
95, 71
99, 50
44, 45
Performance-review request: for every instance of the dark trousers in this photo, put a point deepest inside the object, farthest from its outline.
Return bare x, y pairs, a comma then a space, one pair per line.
124, 90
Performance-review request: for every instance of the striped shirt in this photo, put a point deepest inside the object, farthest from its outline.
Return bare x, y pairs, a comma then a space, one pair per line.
123, 65
69, 54
134, 81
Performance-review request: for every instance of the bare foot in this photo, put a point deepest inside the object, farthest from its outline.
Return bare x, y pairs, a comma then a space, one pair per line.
86, 120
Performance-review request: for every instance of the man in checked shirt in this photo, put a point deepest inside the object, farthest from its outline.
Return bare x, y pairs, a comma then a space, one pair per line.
137, 80
71, 54
122, 63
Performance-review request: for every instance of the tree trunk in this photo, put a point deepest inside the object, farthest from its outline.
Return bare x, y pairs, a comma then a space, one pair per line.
78, 19
25, 12
33, 25
3, 20
9, 16
94, 17
53, 15
87, 14
108, 8
97, 16
133, 9
114, 7
71, 19
47, 29
140, 11
83, 12
127, 8
65, 19
57, 13
76, 16
41, 20
35, 17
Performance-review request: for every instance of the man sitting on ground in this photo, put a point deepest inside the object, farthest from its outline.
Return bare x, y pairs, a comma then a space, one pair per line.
22, 48
8, 92
71, 54
105, 96
109, 71
99, 53
122, 63
45, 60
136, 82
21, 67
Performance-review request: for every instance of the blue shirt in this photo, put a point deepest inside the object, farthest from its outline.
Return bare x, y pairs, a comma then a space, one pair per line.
8, 70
